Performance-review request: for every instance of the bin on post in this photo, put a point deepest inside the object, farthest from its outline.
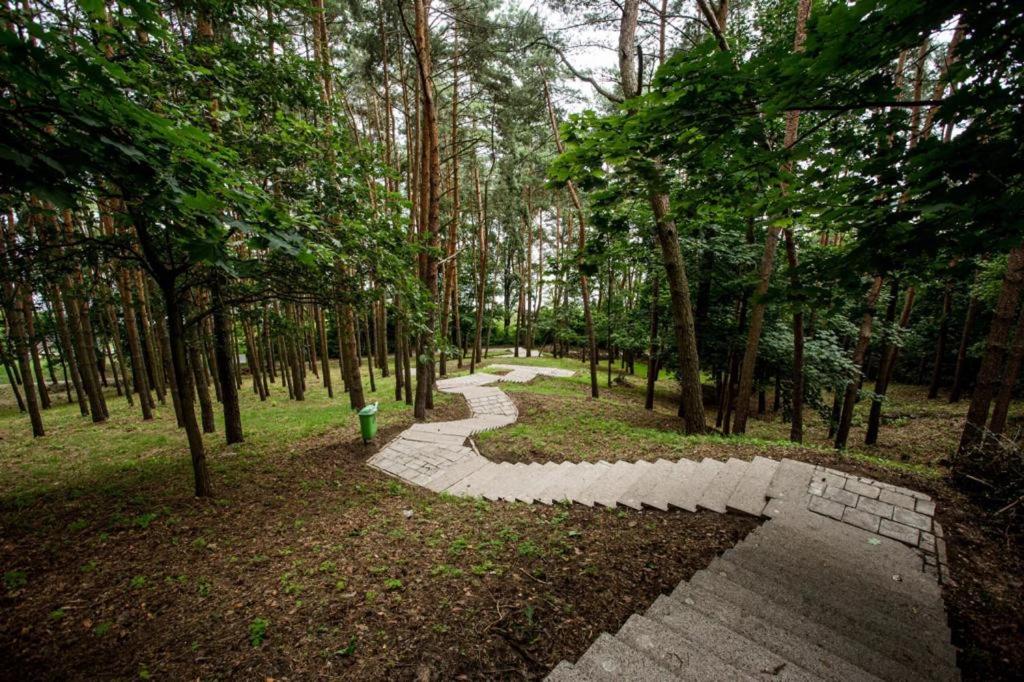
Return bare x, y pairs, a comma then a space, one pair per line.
368, 422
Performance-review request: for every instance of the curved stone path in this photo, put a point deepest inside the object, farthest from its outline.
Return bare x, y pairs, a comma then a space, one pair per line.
843, 582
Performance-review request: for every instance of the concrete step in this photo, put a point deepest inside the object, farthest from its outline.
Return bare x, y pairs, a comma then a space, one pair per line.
728, 645
860, 651
675, 484
750, 495
588, 473
605, 489
888, 636
453, 474
497, 488
627, 495
523, 483
790, 480
721, 487
674, 651
646, 490
558, 483
788, 645
613, 660
474, 484
880, 556
802, 555
693, 487
566, 672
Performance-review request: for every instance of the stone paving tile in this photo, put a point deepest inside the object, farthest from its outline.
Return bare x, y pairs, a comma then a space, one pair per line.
926, 507
897, 499
826, 507
841, 496
897, 531
862, 489
875, 507
919, 521
861, 519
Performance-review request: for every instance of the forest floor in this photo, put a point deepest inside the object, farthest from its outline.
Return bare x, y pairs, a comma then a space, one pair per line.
310, 564
307, 564
986, 550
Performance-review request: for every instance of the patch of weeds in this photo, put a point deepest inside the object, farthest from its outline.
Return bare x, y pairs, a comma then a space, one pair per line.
378, 570
203, 587
490, 546
200, 543
138, 582
483, 568
258, 631
88, 567
458, 546
341, 585
143, 520
395, 488
327, 567
290, 586
392, 584
560, 517
57, 614
529, 549
371, 596
103, 628
77, 525
508, 535
15, 580
440, 628
396, 534
348, 649
446, 570
144, 673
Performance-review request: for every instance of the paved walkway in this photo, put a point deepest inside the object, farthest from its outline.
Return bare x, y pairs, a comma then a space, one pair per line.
842, 582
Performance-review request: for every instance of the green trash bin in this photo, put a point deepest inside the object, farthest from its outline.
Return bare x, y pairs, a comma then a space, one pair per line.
368, 422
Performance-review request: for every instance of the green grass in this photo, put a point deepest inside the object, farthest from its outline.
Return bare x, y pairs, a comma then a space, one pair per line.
77, 454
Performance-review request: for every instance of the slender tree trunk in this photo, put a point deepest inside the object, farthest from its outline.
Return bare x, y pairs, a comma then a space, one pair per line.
57, 306
654, 354
995, 352
184, 390
1001, 408
961, 355
940, 343
588, 318
885, 370
223, 352
859, 352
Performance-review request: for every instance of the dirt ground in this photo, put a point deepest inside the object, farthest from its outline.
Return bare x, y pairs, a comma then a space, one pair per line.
309, 564
986, 603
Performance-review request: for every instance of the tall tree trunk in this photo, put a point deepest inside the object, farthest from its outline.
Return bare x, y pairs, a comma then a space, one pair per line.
654, 352
961, 355
885, 369
57, 306
184, 391
995, 352
588, 317
859, 352
1009, 381
223, 351
195, 360
940, 343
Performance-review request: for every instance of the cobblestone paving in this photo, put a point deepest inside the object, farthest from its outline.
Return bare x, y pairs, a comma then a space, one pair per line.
842, 583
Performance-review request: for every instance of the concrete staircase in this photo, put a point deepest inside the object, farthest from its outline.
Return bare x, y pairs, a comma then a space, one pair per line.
842, 583
803, 597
